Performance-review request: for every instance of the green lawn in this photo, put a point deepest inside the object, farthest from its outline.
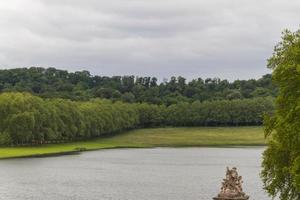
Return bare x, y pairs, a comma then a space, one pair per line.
152, 137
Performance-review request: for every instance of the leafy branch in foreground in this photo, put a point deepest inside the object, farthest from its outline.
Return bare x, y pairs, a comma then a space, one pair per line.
281, 160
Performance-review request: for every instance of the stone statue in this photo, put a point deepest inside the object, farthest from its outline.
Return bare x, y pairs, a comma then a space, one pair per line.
232, 187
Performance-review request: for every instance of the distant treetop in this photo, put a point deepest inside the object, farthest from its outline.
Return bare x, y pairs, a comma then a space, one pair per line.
81, 85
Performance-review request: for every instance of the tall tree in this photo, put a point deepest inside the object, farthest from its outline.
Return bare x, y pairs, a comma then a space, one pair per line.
281, 160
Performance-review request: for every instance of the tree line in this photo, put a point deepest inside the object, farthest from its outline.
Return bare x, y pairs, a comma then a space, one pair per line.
29, 119
81, 85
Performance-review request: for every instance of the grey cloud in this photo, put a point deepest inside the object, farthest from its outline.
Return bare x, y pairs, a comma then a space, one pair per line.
229, 39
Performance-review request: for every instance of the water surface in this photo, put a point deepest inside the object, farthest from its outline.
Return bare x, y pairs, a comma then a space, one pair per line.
130, 174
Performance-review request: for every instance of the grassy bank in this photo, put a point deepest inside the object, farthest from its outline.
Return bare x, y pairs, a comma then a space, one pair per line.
154, 137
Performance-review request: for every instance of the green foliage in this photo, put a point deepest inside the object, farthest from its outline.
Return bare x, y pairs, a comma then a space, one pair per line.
79, 86
281, 160
128, 97
151, 115
219, 113
28, 119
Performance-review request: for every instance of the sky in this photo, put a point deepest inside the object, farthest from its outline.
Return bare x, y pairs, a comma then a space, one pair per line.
230, 39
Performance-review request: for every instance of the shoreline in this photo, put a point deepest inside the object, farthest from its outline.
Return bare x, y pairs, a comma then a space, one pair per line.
221, 137
77, 152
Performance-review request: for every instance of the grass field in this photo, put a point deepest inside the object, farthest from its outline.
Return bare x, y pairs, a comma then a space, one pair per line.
153, 137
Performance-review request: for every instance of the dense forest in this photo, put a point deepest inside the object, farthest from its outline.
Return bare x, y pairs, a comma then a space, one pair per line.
28, 119
81, 85
39, 105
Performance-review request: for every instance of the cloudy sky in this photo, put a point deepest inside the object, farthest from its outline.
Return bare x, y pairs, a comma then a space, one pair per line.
193, 38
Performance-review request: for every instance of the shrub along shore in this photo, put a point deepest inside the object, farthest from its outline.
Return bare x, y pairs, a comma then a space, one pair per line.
28, 119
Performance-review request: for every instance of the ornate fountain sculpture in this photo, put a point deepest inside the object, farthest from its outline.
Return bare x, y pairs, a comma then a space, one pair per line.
232, 187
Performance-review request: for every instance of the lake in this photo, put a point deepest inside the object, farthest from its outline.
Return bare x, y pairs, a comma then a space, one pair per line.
131, 174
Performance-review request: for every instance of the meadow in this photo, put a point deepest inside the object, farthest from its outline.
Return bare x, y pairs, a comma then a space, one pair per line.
149, 138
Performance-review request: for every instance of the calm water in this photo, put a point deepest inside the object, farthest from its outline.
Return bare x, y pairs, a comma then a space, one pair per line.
130, 174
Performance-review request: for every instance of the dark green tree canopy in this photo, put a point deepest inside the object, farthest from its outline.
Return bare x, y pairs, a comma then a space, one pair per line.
55, 83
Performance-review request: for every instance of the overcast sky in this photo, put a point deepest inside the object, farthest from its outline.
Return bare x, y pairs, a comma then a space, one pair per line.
193, 38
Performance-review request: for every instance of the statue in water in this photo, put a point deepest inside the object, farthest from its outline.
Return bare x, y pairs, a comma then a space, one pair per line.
232, 187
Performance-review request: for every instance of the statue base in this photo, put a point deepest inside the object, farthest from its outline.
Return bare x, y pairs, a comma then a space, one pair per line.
231, 198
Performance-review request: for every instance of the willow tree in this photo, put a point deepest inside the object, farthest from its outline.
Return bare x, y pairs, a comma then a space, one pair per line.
281, 160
